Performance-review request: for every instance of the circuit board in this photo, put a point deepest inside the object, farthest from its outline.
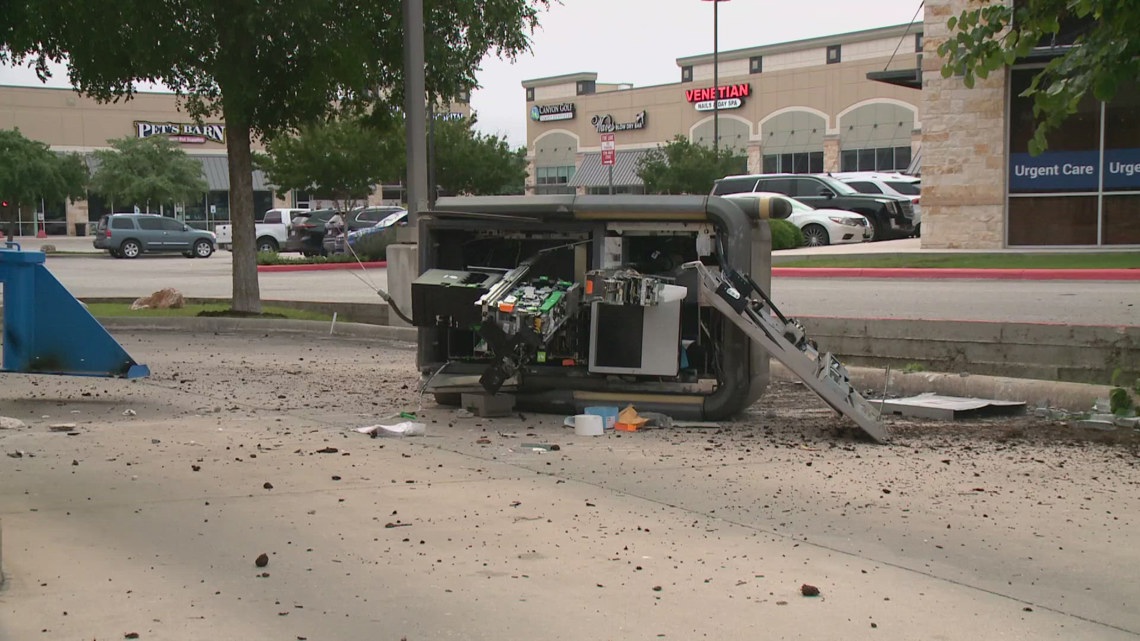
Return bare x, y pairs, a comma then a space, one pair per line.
542, 305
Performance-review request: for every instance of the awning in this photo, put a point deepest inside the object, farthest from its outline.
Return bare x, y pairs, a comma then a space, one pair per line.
592, 174
909, 78
215, 169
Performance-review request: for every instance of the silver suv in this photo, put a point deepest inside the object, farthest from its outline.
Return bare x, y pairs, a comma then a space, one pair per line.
128, 235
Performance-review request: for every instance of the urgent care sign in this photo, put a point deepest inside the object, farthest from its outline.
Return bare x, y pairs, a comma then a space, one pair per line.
726, 97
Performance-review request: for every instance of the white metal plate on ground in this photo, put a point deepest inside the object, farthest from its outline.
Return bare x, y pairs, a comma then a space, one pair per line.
949, 408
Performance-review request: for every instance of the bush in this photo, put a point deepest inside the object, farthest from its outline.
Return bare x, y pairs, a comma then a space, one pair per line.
785, 235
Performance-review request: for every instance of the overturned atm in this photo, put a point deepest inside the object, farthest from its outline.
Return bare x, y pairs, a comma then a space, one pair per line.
572, 301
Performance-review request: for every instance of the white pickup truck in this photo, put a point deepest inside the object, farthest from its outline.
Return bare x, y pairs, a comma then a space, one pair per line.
272, 232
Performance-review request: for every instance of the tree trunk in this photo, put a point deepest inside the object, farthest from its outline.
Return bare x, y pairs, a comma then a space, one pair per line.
246, 292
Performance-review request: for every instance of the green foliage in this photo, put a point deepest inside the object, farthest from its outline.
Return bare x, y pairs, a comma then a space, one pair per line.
142, 171
913, 368
341, 159
471, 163
682, 167
1119, 401
268, 67
990, 37
785, 235
119, 310
30, 171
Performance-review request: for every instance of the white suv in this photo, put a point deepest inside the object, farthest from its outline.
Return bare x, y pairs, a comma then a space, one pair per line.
894, 184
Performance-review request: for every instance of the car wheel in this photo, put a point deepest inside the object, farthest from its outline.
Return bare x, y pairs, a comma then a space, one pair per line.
878, 228
918, 230
114, 253
267, 245
188, 254
203, 249
815, 236
130, 249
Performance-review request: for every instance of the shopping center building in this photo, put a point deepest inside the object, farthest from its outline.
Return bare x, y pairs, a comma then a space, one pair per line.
868, 100
804, 106
68, 122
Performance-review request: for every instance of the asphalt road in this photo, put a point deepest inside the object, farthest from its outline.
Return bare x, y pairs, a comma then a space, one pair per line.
1067, 302
149, 521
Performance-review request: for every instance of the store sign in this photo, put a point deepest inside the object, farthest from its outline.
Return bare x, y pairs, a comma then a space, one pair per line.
727, 91
547, 113
181, 132
727, 103
1059, 171
450, 116
606, 124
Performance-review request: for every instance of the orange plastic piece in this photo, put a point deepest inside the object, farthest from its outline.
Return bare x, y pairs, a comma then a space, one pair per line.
568, 362
625, 427
506, 308
589, 287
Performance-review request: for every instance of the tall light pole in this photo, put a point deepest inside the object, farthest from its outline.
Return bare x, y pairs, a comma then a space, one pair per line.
716, 76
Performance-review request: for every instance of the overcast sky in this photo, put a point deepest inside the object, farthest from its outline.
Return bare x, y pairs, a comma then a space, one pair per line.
638, 41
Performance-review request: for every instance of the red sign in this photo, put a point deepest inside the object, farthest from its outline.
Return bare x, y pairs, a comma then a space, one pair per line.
609, 150
742, 90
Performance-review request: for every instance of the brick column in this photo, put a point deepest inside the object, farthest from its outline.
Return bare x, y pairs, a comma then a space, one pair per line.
963, 147
831, 152
755, 158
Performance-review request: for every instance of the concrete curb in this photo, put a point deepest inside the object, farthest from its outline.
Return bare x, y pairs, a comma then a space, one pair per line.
1074, 397
955, 273
318, 267
213, 325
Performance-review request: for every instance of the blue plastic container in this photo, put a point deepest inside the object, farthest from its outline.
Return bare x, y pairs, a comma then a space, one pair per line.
609, 415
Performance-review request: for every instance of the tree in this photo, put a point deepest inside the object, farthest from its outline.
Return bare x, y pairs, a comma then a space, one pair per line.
1106, 55
266, 66
681, 167
150, 172
343, 159
31, 172
469, 162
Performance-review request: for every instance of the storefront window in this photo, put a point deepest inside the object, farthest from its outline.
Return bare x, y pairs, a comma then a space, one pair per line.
806, 162
1084, 189
877, 159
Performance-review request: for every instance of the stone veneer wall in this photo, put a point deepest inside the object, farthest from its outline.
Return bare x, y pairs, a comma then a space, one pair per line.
963, 147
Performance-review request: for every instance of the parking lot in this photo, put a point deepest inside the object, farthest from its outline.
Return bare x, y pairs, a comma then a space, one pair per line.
1086, 303
147, 515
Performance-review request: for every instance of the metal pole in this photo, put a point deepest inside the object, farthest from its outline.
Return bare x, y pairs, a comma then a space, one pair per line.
611, 168
432, 191
716, 81
416, 115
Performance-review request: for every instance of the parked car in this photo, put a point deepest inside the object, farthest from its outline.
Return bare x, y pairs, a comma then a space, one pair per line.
889, 215
894, 184
370, 216
307, 234
820, 226
272, 231
128, 235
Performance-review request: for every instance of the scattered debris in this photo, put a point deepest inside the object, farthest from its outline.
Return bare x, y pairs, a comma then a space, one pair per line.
628, 420
327, 450
262, 560
406, 428
540, 447
268, 485
62, 427
7, 423
809, 590
397, 524
129, 412
131, 635
16, 454
168, 298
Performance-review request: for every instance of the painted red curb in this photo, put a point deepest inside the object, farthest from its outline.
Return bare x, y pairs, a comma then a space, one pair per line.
959, 273
320, 267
